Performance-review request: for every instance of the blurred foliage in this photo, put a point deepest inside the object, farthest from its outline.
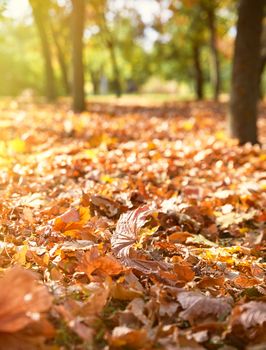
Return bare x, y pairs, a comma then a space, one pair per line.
122, 46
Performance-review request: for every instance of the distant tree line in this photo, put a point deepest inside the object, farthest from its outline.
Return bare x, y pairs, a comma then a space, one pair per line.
193, 40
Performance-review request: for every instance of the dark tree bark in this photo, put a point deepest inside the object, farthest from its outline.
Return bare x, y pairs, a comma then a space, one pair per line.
95, 80
61, 59
262, 60
40, 15
116, 72
215, 76
245, 87
261, 70
198, 73
78, 13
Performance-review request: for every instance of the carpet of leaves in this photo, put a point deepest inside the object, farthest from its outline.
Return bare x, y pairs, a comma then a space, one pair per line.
130, 228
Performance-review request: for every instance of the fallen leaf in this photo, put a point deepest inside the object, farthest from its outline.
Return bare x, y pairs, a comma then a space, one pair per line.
125, 237
95, 263
127, 337
198, 306
249, 315
22, 299
183, 272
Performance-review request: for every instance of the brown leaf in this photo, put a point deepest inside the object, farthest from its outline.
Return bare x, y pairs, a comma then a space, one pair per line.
210, 282
199, 306
249, 315
94, 262
81, 317
72, 215
121, 292
125, 236
244, 281
105, 206
22, 299
184, 272
248, 323
124, 336
21, 341
126, 229
179, 237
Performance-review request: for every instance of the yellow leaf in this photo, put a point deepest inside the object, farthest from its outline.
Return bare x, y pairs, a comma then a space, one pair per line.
262, 157
92, 153
143, 234
107, 179
17, 146
188, 125
46, 259
84, 214
220, 135
20, 256
75, 233
2, 149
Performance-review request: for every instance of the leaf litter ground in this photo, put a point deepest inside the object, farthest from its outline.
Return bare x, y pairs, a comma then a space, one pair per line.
130, 228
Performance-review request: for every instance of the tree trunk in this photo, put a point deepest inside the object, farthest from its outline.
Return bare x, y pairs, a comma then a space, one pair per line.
117, 81
215, 74
261, 70
198, 71
245, 87
78, 93
40, 15
262, 59
95, 80
61, 60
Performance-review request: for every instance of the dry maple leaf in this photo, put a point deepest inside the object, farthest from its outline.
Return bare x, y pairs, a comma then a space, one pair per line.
125, 236
198, 306
71, 221
105, 206
249, 315
81, 316
126, 229
104, 265
248, 323
124, 336
23, 340
22, 300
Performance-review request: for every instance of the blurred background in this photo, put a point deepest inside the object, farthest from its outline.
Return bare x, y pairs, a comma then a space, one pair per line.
167, 49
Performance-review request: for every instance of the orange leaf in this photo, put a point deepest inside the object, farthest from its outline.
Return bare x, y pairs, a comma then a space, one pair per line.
105, 265
22, 300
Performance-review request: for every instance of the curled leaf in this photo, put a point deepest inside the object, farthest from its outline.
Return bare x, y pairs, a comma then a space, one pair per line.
125, 237
248, 323
249, 315
197, 306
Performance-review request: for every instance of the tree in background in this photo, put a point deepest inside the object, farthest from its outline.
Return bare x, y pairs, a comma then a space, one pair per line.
99, 12
78, 17
210, 8
59, 23
196, 34
245, 87
262, 58
125, 50
40, 14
